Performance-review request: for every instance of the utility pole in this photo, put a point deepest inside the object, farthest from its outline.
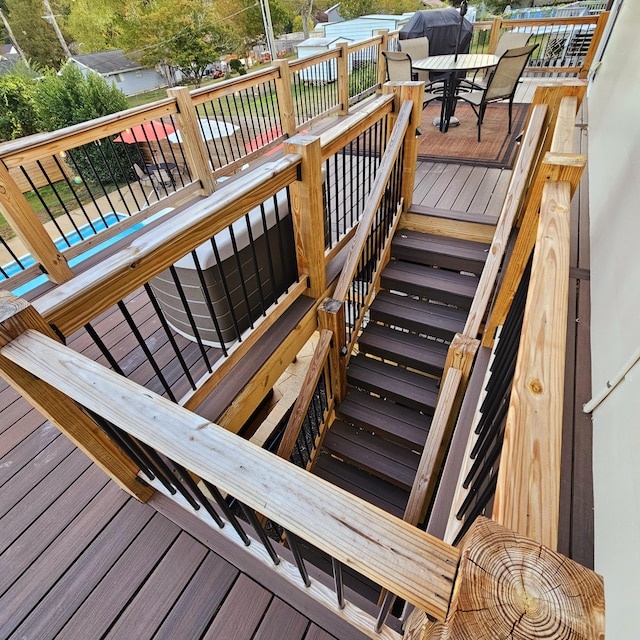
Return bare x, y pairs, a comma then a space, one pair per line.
268, 29
52, 19
12, 38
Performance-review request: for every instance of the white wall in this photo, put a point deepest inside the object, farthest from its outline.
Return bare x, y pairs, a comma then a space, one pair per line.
614, 177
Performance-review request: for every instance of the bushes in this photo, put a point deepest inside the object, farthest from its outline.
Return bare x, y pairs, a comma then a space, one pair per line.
18, 113
70, 97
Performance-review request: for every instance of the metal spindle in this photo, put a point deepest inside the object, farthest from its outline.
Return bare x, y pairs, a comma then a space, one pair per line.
336, 566
387, 603
295, 550
257, 527
225, 288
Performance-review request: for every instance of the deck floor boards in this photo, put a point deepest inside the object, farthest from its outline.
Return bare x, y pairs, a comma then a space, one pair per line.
81, 559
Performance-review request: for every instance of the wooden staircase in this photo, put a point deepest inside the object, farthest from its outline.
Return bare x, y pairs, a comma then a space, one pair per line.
373, 447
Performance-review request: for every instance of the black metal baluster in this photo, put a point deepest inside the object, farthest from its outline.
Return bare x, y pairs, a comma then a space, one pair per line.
222, 503
257, 527
336, 566
295, 550
387, 603
225, 288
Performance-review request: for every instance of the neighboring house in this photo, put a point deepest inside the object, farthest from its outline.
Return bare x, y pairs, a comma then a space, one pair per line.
7, 52
127, 74
364, 27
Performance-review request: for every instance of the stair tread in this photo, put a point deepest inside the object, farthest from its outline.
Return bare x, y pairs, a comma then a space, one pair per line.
371, 453
389, 381
358, 482
418, 315
427, 242
429, 277
405, 348
392, 421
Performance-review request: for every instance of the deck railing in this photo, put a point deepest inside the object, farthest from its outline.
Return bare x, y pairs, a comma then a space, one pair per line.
567, 45
144, 435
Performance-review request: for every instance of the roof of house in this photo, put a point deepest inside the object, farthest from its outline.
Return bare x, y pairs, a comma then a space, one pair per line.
107, 63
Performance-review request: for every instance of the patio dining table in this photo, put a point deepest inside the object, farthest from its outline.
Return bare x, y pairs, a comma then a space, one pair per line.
453, 66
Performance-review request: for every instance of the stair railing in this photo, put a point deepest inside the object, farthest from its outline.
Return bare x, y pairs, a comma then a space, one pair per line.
313, 410
506, 424
172, 443
532, 168
370, 248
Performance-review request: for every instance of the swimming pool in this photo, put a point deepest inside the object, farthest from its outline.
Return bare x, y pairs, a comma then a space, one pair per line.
13, 268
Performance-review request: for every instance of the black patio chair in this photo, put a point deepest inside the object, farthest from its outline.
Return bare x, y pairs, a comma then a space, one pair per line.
501, 83
399, 69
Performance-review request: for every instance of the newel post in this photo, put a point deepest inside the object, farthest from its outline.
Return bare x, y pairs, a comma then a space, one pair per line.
508, 586
496, 27
308, 212
408, 91
193, 143
331, 317
18, 316
19, 214
382, 63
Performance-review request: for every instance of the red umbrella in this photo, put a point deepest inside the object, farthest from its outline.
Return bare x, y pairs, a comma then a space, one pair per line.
147, 131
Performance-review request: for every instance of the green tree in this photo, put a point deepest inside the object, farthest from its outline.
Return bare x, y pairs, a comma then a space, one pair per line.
183, 34
34, 34
71, 97
18, 112
93, 26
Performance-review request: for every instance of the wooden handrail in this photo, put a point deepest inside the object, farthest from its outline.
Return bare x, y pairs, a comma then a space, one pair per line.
305, 395
533, 433
233, 85
555, 162
373, 202
403, 559
75, 303
527, 156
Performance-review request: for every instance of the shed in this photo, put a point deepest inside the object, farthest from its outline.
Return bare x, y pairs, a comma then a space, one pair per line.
127, 74
364, 27
326, 71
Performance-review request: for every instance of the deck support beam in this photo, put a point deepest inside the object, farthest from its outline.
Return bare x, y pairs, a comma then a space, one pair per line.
16, 317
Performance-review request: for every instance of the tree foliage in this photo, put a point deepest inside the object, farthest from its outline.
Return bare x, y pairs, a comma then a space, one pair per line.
71, 97
184, 34
35, 35
18, 112
93, 26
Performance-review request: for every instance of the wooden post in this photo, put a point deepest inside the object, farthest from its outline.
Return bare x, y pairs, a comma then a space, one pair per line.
382, 64
20, 216
411, 91
343, 79
17, 317
285, 98
308, 212
496, 27
331, 317
193, 143
593, 45
527, 497
508, 586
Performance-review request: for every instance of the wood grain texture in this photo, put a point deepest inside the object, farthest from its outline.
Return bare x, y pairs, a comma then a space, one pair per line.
512, 588
18, 213
407, 561
528, 489
193, 144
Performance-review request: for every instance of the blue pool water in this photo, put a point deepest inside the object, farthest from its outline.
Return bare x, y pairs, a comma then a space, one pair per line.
73, 238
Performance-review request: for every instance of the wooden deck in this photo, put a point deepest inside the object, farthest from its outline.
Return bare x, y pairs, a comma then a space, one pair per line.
80, 559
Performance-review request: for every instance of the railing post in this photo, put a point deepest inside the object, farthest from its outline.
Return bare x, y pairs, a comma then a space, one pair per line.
343, 79
18, 316
331, 317
308, 212
20, 216
495, 35
285, 98
593, 45
382, 65
193, 143
408, 91
508, 586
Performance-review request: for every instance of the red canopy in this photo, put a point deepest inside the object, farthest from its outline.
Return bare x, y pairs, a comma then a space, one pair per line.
147, 131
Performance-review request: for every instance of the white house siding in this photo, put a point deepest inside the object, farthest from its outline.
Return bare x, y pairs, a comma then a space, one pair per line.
137, 81
614, 177
363, 28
